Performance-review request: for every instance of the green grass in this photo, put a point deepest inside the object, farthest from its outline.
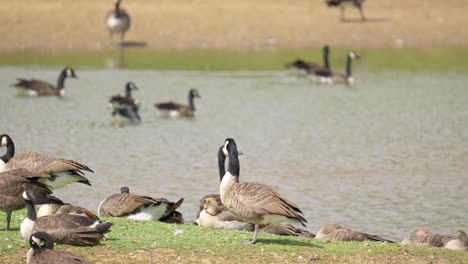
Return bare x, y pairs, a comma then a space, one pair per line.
427, 59
130, 236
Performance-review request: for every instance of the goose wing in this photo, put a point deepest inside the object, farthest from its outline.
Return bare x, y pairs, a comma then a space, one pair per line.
253, 200
169, 106
41, 87
14, 182
122, 204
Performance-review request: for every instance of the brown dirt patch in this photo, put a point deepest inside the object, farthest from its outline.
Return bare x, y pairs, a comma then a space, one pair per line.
233, 25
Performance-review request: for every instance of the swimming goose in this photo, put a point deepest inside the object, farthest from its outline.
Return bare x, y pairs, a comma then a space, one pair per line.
12, 185
126, 106
59, 172
179, 110
346, 79
424, 237
336, 232
136, 207
253, 202
459, 241
342, 3
35, 87
311, 67
64, 228
42, 251
117, 21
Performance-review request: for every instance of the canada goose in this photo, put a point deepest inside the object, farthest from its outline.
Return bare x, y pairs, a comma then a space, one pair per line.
12, 185
215, 216
126, 106
459, 241
253, 202
336, 232
59, 172
56, 206
35, 87
424, 237
311, 67
64, 228
179, 110
42, 251
136, 207
347, 79
117, 21
342, 3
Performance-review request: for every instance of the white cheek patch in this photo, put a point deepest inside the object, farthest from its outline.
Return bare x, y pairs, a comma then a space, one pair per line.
37, 240
4, 142
69, 73
225, 148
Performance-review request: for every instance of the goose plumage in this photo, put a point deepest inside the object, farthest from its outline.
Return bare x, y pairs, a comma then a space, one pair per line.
347, 78
117, 21
313, 68
64, 228
252, 202
12, 185
179, 110
42, 252
35, 87
424, 237
458, 242
336, 232
59, 172
137, 207
126, 106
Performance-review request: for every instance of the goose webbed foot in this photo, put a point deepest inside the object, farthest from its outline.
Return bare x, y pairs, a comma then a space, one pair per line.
249, 242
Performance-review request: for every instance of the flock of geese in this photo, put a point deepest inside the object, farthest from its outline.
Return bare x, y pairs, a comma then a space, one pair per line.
28, 179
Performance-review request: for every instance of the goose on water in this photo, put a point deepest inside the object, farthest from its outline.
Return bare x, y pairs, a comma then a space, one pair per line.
35, 87
172, 109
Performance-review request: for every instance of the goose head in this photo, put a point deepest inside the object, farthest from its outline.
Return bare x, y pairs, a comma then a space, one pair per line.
69, 72
210, 205
41, 240
229, 147
5, 140
131, 86
194, 93
353, 55
124, 189
326, 49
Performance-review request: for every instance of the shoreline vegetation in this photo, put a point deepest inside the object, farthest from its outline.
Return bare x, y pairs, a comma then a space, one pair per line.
155, 242
443, 60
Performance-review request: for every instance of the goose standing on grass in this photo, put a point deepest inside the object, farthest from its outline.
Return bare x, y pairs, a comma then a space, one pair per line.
125, 106
12, 185
311, 67
117, 21
42, 251
336, 232
59, 172
179, 110
342, 3
136, 207
254, 203
35, 87
64, 228
346, 79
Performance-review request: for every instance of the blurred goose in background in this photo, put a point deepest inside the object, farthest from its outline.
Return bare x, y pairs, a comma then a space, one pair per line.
252, 202
137, 207
336, 232
59, 172
126, 107
35, 87
117, 21
64, 228
346, 79
179, 110
343, 3
311, 67
424, 237
42, 251
12, 185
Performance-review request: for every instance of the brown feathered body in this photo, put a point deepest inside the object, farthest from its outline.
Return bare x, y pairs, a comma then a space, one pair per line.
423, 236
336, 232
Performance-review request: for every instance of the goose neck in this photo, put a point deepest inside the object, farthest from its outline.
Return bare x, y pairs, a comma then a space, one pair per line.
348, 66
31, 210
326, 62
61, 79
191, 102
221, 164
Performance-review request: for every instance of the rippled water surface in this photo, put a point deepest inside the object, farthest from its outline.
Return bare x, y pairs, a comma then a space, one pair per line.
386, 156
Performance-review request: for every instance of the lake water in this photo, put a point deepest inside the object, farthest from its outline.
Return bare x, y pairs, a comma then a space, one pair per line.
385, 156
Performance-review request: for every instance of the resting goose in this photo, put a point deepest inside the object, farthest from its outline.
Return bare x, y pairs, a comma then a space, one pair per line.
252, 202
346, 79
217, 216
64, 228
117, 21
459, 241
42, 251
125, 106
59, 172
137, 207
311, 67
12, 185
424, 237
35, 87
336, 232
179, 110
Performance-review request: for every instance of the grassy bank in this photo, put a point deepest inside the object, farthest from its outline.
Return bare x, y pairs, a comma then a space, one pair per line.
428, 59
144, 242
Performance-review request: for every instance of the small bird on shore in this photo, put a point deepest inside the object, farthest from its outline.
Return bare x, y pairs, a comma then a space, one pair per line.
117, 21
35, 87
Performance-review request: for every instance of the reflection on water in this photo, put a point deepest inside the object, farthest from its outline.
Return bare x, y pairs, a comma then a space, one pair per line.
385, 156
